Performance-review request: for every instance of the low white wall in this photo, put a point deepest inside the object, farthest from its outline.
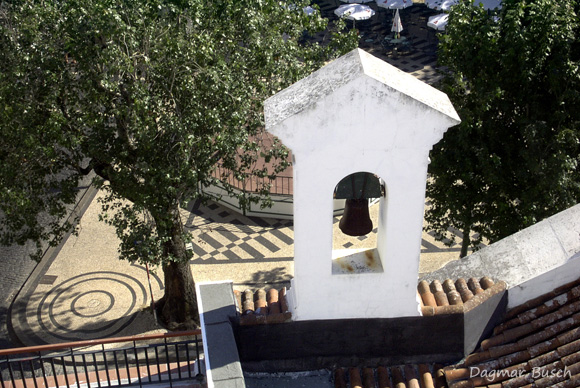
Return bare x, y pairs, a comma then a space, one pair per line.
544, 283
282, 207
532, 262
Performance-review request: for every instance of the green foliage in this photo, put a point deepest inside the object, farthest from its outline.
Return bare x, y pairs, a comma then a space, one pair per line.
514, 80
151, 95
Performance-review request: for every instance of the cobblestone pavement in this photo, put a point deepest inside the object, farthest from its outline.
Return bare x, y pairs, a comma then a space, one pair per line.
16, 267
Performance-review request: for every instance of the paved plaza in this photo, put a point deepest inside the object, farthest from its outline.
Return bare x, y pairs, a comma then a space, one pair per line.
85, 292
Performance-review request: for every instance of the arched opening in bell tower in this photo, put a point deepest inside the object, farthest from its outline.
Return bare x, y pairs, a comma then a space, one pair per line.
354, 237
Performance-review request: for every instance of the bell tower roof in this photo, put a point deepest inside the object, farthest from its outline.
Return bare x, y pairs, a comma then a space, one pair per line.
304, 94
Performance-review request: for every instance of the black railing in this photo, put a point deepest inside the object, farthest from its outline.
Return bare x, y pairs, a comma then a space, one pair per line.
279, 185
126, 361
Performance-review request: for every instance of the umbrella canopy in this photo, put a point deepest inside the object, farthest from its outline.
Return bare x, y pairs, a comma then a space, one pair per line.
443, 5
438, 22
354, 12
357, 1
394, 4
397, 25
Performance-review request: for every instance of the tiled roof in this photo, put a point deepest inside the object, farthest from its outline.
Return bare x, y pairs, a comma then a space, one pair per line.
450, 297
263, 306
455, 297
403, 376
537, 345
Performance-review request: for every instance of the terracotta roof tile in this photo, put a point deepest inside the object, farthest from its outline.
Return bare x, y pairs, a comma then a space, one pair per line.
486, 282
399, 376
368, 378
263, 307
456, 297
411, 377
426, 295
450, 297
425, 376
272, 299
260, 303
354, 378
463, 289
452, 294
537, 345
247, 302
474, 286
339, 378
439, 293
383, 377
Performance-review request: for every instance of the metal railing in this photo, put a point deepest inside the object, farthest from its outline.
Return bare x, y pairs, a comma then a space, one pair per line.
126, 361
280, 185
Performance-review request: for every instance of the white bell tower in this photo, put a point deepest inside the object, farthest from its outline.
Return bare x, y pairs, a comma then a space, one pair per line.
358, 114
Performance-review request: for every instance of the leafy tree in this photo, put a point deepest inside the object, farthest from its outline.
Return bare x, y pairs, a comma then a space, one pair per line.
150, 95
514, 79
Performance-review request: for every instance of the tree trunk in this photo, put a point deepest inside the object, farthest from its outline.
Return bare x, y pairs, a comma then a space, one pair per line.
466, 242
178, 307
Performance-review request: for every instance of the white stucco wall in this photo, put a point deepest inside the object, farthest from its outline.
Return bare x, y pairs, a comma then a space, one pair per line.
358, 114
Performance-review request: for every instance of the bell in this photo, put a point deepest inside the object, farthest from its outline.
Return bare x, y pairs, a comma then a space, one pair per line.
357, 188
356, 220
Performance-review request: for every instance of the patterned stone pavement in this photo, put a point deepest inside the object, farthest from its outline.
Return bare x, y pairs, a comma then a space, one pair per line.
86, 292
224, 237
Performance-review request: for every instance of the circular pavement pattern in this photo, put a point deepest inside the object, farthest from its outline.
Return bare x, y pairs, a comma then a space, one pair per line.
92, 303
102, 304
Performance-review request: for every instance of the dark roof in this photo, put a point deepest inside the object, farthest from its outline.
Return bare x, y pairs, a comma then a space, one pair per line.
537, 345
402, 376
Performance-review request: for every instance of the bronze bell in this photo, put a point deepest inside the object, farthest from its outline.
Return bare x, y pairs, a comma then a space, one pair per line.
356, 220
357, 188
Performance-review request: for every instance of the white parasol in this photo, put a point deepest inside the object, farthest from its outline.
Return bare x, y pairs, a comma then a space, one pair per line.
354, 12
394, 4
438, 22
443, 5
397, 25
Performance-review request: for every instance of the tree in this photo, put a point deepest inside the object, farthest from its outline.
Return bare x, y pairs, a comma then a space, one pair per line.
514, 79
150, 95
